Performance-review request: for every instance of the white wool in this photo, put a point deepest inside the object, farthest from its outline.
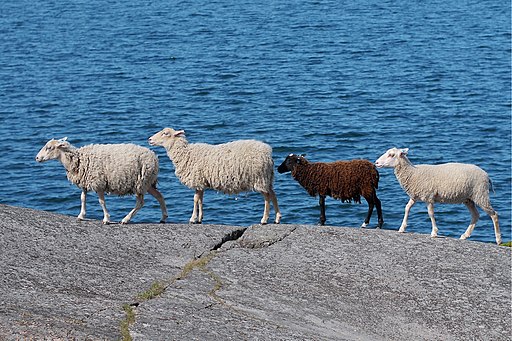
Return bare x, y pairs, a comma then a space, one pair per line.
231, 168
446, 183
120, 169
454, 183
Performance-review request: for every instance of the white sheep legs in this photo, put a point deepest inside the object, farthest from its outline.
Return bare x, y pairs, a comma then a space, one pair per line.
158, 196
138, 205
430, 208
106, 216
83, 199
270, 196
197, 213
496, 223
474, 218
406, 215
470, 204
101, 199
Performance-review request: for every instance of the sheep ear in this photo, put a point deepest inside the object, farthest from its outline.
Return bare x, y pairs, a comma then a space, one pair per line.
404, 151
62, 142
179, 133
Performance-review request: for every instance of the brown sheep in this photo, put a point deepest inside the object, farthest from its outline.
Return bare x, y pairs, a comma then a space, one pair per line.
343, 180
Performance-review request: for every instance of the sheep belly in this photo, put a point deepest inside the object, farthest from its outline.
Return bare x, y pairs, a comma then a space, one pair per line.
450, 183
120, 169
230, 168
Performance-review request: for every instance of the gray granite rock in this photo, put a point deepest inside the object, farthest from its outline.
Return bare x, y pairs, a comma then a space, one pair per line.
64, 279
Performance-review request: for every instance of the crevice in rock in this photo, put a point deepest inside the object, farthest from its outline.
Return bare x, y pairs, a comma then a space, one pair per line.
257, 238
232, 236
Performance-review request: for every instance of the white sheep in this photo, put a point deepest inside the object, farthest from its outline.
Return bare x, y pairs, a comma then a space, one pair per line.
452, 183
122, 169
234, 167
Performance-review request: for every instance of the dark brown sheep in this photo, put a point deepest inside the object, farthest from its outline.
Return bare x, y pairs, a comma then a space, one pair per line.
343, 180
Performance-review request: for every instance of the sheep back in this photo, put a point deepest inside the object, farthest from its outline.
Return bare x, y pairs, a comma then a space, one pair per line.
231, 168
342, 180
445, 183
121, 169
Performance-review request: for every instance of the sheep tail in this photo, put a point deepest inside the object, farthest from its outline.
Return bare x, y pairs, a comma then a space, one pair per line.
491, 186
377, 178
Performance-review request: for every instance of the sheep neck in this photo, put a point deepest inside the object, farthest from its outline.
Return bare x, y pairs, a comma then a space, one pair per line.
404, 170
299, 173
178, 151
69, 160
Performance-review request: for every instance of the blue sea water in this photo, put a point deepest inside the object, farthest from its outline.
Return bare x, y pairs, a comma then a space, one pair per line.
332, 79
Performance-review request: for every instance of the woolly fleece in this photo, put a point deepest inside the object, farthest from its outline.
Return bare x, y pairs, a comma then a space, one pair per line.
231, 168
446, 183
342, 180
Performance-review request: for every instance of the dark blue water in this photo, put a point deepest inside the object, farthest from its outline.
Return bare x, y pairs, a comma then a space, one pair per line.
332, 79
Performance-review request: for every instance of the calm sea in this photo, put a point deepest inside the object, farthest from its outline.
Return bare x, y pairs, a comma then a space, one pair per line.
331, 79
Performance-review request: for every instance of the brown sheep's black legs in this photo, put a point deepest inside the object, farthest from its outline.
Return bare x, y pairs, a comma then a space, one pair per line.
379, 210
322, 209
372, 202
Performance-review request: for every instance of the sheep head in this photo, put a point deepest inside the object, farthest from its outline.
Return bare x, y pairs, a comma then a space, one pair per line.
165, 137
391, 158
53, 149
291, 161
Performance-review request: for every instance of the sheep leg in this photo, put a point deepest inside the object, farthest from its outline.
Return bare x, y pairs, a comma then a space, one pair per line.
106, 216
371, 204
470, 204
273, 197
198, 208
406, 215
266, 211
83, 200
379, 210
158, 196
496, 223
138, 205
430, 208
322, 209
494, 216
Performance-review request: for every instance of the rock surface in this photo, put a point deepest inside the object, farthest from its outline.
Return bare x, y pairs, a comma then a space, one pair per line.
63, 279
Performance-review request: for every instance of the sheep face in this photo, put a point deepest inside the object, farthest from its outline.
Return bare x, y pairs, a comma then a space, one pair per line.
165, 137
390, 158
52, 150
290, 162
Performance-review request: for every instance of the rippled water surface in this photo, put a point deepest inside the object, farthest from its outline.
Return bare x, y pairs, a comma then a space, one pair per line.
332, 79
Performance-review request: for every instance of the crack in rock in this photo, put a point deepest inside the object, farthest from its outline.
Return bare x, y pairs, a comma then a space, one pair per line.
260, 236
232, 236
